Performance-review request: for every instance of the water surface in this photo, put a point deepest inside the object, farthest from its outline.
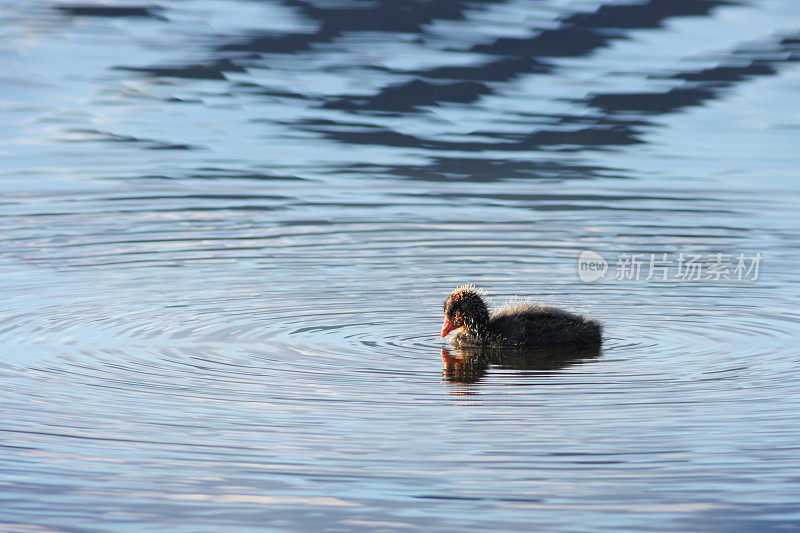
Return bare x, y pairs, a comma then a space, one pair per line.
228, 229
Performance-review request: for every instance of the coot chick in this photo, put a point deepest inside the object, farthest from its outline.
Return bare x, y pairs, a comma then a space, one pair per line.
523, 326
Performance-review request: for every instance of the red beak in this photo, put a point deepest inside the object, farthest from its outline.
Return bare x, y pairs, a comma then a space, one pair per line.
447, 327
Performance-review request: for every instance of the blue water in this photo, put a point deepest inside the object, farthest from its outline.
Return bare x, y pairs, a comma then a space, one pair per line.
228, 229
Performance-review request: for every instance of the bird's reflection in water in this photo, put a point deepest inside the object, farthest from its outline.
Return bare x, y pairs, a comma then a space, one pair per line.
468, 365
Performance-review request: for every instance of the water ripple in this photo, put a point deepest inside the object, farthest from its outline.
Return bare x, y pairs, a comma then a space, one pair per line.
227, 231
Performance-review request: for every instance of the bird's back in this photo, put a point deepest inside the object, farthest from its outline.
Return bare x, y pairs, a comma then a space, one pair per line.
540, 326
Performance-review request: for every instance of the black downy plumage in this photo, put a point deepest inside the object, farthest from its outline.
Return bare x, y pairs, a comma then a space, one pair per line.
522, 326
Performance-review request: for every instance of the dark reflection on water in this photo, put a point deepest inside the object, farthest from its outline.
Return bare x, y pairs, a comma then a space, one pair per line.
227, 229
87, 10
469, 365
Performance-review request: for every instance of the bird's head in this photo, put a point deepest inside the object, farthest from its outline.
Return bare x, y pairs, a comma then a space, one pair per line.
464, 308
